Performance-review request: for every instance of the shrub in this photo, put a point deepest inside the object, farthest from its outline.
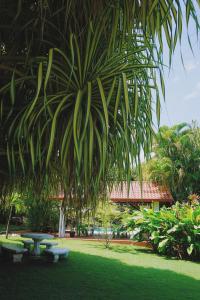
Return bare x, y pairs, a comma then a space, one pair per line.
42, 214
172, 231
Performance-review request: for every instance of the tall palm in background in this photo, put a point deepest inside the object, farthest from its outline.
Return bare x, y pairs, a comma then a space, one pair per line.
177, 160
79, 81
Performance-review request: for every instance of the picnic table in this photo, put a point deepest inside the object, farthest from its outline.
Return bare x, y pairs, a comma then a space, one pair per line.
37, 239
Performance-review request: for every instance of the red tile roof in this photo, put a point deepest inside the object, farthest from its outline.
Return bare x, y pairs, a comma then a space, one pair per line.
148, 192
141, 192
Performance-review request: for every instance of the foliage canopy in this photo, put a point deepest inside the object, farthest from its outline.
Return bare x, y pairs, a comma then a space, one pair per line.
176, 161
79, 80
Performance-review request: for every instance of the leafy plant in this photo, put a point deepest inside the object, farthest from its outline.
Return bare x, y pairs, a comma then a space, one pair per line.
42, 213
176, 160
171, 231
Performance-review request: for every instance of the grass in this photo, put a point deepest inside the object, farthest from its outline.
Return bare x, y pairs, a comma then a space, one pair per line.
93, 272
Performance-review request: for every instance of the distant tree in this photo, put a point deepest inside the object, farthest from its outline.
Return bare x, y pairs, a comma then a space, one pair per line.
176, 160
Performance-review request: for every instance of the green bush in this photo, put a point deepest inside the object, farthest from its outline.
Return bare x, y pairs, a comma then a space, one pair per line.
42, 214
172, 231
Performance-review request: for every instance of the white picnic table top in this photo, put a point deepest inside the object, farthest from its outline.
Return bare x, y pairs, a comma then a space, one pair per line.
37, 238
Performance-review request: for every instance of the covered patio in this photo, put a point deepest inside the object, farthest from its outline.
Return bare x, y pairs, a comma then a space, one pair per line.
143, 193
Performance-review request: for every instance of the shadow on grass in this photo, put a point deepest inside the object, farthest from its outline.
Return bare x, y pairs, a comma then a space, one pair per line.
90, 277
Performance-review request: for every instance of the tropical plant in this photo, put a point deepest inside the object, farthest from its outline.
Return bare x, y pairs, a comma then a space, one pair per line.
80, 79
172, 231
11, 204
42, 213
176, 160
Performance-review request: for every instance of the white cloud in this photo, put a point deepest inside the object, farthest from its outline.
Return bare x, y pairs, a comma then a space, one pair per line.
198, 86
191, 95
191, 65
195, 93
176, 79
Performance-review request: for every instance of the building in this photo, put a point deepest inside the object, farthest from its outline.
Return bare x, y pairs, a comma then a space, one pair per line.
143, 193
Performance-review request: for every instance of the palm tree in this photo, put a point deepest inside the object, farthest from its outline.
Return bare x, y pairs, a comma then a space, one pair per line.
80, 80
176, 161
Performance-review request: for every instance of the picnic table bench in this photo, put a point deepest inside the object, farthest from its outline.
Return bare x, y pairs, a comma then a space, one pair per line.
28, 244
56, 253
14, 251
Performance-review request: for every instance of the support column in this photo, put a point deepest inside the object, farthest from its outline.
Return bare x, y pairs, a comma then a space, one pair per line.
156, 206
61, 232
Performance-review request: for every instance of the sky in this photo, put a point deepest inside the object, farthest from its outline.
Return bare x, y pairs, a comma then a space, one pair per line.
182, 83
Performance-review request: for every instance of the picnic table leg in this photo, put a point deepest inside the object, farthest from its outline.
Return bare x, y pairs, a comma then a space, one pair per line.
17, 257
36, 249
56, 258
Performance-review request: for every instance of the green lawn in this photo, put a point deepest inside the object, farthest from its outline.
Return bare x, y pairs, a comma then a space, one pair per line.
93, 272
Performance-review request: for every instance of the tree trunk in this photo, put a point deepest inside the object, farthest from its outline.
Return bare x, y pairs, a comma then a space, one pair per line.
8, 223
61, 232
